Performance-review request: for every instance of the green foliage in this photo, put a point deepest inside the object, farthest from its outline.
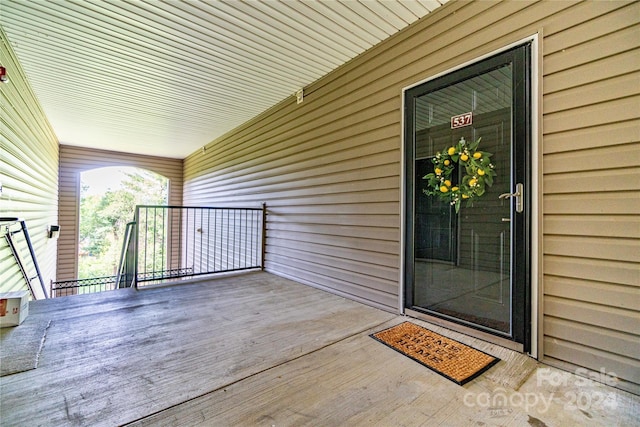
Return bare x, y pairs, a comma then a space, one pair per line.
479, 173
103, 219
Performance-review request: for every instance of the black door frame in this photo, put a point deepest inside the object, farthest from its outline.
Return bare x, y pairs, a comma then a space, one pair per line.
520, 57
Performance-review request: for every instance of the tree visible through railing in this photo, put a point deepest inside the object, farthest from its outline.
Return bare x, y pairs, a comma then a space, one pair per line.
108, 199
170, 242
178, 241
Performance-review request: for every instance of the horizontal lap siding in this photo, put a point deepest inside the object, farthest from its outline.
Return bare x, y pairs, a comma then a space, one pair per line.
28, 174
591, 112
74, 161
329, 169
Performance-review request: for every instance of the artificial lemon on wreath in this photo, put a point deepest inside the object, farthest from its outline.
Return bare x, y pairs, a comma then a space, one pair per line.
478, 173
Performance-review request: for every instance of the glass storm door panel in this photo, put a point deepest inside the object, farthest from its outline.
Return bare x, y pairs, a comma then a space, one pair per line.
471, 266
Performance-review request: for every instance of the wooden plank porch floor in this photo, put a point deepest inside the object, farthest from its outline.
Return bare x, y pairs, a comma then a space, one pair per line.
257, 349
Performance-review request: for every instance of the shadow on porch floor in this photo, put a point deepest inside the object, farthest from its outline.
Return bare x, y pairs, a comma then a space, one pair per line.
257, 349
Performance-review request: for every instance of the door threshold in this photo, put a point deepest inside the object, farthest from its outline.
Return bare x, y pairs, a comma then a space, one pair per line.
503, 342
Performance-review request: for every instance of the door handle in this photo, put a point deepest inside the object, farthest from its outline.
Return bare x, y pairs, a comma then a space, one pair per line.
518, 195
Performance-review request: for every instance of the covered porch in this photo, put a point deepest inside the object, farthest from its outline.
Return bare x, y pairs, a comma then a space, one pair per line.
258, 349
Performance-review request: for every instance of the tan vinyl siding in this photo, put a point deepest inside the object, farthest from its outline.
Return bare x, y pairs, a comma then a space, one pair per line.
592, 193
28, 174
329, 168
75, 160
334, 160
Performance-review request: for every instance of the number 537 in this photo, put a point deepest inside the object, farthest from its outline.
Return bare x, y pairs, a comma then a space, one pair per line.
461, 120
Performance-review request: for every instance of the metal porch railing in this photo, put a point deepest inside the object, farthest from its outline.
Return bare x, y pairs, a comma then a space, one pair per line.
13, 229
126, 268
169, 242
65, 288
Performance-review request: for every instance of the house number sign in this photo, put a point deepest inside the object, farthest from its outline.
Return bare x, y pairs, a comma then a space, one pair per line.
461, 120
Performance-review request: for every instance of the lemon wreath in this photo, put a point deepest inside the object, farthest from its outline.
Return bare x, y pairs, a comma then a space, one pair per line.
479, 173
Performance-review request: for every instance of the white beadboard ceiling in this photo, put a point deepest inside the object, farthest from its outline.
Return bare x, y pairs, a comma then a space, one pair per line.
166, 77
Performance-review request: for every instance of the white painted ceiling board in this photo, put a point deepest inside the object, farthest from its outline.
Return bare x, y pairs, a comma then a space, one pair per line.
165, 77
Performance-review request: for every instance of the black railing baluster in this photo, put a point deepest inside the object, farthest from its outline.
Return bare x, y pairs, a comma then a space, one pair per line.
153, 236
136, 248
251, 237
215, 234
246, 240
201, 238
208, 234
146, 236
186, 241
238, 243
235, 241
164, 233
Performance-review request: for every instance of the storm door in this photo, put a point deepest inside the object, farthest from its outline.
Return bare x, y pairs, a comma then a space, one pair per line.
467, 181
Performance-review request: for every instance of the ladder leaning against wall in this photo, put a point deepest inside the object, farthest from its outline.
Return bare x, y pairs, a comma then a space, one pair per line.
12, 228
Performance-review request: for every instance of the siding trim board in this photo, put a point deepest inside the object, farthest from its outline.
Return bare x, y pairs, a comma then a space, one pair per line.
315, 164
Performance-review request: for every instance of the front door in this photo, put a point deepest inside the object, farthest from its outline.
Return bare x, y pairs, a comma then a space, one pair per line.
467, 156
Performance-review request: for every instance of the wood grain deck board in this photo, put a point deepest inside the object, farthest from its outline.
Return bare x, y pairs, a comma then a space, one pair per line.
360, 382
115, 359
259, 350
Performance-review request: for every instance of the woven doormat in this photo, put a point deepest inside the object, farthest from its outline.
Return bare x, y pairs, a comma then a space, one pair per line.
449, 358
